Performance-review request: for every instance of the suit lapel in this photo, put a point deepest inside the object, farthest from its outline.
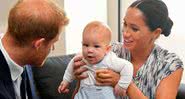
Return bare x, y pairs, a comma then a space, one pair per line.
5, 78
6, 84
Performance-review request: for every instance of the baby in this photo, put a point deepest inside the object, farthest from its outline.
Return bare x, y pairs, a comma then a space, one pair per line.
96, 50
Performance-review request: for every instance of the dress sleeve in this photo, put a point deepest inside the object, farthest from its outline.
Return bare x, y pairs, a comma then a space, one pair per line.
171, 63
120, 51
117, 48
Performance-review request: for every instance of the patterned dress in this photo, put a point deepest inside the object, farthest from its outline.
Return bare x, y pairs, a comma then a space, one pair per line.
159, 65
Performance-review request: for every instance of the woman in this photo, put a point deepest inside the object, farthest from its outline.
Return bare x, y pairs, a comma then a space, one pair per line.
157, 73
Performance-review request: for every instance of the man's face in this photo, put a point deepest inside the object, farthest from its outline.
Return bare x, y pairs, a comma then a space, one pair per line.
43, 51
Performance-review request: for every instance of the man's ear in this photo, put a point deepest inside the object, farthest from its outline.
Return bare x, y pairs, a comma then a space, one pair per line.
38, 43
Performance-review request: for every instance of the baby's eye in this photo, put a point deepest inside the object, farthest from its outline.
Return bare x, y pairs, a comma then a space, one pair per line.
85, 45
97, 46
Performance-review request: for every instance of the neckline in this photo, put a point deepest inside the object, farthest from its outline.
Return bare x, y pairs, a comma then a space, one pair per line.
143, 66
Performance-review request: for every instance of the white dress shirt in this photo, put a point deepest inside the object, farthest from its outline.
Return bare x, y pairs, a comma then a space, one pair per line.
15, 70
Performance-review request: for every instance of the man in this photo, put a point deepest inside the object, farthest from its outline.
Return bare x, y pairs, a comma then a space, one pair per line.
33, 28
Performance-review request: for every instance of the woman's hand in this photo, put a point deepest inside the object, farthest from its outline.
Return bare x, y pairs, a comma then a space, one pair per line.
106, 77
76, 67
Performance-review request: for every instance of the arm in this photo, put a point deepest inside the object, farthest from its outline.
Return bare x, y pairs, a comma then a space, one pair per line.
107, 77
170, 80
78, 72
126, 73
67, 78
125, 68
69, 75
134, 93
168, 87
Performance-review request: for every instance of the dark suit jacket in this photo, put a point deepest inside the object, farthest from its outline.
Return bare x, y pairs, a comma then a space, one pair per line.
6, 84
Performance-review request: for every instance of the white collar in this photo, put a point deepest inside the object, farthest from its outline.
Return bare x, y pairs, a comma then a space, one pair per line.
15, 69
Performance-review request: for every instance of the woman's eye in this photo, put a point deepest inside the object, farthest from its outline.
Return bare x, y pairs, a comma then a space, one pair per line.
135, 29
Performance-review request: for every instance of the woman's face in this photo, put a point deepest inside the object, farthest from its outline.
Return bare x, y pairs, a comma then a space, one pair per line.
136, 34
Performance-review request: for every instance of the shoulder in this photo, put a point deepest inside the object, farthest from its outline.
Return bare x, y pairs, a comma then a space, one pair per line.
120, 51
163, 63
167, 58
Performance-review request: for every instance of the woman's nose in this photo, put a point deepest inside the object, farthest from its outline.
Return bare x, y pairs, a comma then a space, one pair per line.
126, 32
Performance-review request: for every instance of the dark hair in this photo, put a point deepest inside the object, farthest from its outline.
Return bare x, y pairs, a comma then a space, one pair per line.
156, 15
30, 20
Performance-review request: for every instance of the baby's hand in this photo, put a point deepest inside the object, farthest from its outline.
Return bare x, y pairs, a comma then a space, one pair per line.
63, 87
119, 91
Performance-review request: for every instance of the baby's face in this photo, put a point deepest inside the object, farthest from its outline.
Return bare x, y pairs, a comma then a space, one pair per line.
94, 47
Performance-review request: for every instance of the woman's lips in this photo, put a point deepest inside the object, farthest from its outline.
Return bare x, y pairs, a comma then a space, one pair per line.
127, 42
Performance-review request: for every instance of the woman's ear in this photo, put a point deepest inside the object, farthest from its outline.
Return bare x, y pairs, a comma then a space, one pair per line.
38, 43
157, 33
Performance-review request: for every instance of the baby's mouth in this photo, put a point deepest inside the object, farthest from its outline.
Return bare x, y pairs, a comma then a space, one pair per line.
90, 57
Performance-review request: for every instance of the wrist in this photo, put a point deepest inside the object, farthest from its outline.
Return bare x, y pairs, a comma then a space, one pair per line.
133, 92
129, 89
